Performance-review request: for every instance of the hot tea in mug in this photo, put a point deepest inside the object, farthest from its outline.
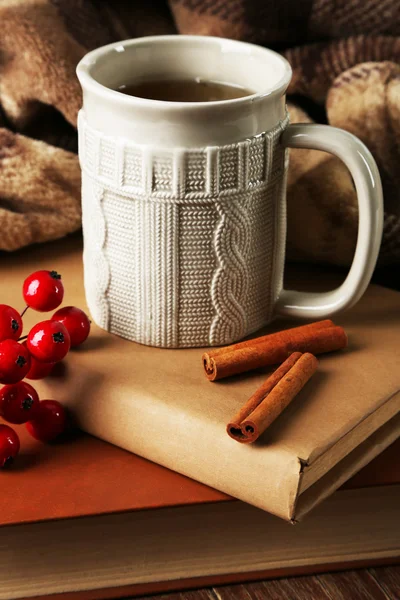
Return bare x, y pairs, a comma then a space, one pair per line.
184, 90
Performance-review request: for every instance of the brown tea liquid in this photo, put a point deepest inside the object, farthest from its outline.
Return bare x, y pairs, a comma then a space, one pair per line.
186, 90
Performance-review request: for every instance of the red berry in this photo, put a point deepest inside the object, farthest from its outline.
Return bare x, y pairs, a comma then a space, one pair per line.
48, 341
15, 361
39, 370
9, 445
43, 290
50, 420
18, 402
76, 321
10, 323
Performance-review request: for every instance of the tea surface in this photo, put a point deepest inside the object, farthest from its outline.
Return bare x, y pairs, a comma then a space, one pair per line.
187, 90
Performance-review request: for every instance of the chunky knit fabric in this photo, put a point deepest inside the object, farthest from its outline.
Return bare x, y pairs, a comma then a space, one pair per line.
346, 71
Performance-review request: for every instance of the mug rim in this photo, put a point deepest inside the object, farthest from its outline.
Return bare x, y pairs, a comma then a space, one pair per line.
87, 80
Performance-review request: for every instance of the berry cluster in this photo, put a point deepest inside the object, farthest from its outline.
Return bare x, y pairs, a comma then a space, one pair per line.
47, 343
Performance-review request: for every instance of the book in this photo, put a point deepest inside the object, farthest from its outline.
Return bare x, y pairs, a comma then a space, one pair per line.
96, 522
158, 404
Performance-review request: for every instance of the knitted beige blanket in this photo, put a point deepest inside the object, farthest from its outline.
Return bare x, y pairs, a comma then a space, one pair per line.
346, 62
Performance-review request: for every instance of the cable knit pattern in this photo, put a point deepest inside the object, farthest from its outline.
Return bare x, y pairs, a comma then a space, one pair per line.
182, 246
231, 279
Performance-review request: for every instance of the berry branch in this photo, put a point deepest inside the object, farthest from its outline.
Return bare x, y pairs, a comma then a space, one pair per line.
24, 311
33, 356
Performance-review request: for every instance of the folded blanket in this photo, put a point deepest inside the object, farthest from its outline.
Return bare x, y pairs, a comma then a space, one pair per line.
346, 71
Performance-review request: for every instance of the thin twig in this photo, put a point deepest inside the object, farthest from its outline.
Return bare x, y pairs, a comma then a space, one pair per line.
24, 311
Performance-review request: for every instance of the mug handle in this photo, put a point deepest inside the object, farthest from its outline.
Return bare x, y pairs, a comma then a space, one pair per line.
364, 171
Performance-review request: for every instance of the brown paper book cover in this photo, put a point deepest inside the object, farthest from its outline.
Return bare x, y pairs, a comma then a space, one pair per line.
158, 404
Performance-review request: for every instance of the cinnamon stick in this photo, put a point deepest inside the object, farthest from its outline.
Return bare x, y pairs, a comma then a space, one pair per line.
273, 349
270, 336
275, 394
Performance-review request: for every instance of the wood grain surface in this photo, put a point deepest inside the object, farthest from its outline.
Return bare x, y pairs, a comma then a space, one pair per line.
382, 583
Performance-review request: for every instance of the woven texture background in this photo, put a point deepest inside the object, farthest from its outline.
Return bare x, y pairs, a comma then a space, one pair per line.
182, 247
346, 71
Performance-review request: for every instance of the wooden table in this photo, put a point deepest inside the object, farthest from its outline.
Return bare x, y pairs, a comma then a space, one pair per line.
382, 583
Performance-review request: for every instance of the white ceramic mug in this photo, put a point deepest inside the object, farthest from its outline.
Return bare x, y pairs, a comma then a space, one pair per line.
184, 202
